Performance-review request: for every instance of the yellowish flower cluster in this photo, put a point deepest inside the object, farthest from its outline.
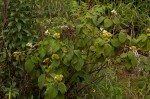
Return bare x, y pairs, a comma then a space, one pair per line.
107, 35
29, 44
148, 30
15, 54
59, 78
114, 12
47, 32
56, 35
46, 60
55, 56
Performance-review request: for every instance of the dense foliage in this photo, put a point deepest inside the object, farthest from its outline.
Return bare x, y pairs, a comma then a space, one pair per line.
68, 49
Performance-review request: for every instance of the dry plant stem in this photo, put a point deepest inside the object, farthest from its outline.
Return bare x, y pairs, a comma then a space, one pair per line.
99, 69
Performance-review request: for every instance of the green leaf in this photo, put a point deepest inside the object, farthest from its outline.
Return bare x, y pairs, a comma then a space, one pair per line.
62, 88
42, 52
29, 65
133, 41
34, 59
41, 81
142, 37
100, 50
19, 26
116, 21
68, 57
108, 49
80, 62
132, 58
123, 55
142, 44
51, 91
74, 60
49, 79
55, 63
131, 55
107, 23
77, 52
54, 45
100, 20
128, 64
94, 19
134, 62
122, 37
115, 42
100, 42
10, 23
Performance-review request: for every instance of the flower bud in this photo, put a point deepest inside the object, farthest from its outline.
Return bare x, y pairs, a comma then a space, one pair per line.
59, 78
55, 56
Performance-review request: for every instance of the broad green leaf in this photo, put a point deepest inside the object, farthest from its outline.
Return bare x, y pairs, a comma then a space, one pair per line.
142, 37
94, 19
42, 52
128, 64
100, 50
62, 88
34, 59
107, 23
128, 37
134, 62
131, 55
100, 42
141, 44
77, 52
10, 23
29, 65
41, 81
132, 58
133, 41
81, 43
100, 20
122, 37
116, 21
108, 49
19, 26
74, 59
55, 63
123, 55
54, 45
78, 66
51, 91
115, 42
49, 79
68, 57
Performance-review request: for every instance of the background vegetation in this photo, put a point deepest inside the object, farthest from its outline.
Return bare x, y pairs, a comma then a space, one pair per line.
75, 49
